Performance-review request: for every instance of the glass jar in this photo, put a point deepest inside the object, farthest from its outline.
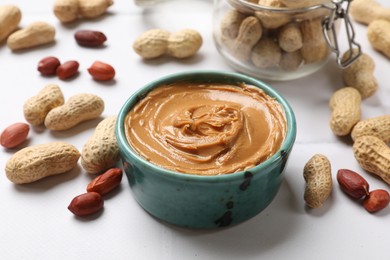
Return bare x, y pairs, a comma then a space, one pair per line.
281, 39
146, 3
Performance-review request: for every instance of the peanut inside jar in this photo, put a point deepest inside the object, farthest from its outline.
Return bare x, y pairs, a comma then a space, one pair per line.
206, 129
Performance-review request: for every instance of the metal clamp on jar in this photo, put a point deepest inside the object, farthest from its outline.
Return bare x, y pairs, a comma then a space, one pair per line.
282, 39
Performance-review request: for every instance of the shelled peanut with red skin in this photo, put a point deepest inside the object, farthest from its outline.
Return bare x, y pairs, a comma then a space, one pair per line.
101, 71
48, 65
86, 204
106, 182
14, 135
376, 200
67, 69
352, 183
90, 38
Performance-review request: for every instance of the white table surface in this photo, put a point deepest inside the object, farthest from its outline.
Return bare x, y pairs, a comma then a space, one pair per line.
36, 224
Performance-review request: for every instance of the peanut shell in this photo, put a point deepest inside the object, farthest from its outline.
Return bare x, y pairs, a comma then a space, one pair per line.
36, 108
184, 43
318, 177
36, 162
378, 34
92, 9
360, 74
376, 126
314, 47
66, 10
373, 155
345, 106
77, 109
10, 16
35, 34
249, 33
101, 151
151, 44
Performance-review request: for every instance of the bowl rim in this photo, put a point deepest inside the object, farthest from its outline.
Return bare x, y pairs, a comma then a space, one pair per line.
125, 147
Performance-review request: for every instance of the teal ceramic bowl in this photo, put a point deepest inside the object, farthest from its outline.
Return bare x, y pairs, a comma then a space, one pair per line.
196, 201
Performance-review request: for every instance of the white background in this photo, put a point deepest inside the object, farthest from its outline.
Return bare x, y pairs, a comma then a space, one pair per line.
36, 224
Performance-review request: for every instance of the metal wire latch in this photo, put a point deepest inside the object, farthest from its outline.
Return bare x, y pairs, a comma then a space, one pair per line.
330, 32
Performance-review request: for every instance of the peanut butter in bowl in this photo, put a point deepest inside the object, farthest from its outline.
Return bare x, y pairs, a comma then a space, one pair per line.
205, 149
206, 128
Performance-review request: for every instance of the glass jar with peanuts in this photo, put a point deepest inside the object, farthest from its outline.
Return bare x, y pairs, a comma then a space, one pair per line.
281, 39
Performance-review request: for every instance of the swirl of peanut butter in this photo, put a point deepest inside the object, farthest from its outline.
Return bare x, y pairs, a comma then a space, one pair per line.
206, 129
